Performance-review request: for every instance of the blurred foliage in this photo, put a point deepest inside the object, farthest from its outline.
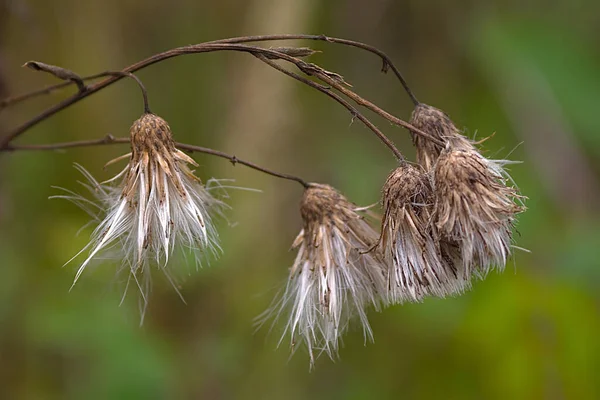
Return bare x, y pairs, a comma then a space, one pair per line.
526, 70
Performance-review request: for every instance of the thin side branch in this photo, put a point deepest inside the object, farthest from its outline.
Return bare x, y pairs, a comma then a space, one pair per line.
139, 83
202, 48
311, 69
387, 62
9, 101
355, 113
234, 160
68, 75
110, 139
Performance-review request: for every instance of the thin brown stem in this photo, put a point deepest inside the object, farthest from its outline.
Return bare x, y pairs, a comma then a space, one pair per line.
318, 72
355, 113
140, 84
387, 62
201, 48
9, 101
234, 160
110, 139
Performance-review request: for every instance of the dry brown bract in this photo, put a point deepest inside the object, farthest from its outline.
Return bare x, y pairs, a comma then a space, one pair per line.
437, 124
415, 266
475, 207
153, 204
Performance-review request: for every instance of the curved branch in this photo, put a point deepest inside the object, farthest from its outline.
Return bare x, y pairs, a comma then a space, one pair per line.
386, 62
140, 84
110, 139
339, 99
193, 49
9, 101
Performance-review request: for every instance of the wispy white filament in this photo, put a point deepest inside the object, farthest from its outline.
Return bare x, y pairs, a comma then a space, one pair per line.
153, 205
417, 268
332, 280
475, 206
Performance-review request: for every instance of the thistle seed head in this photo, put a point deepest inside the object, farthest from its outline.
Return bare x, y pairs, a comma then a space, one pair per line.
437, 124
416, 266
332, 280
475, 207
154, 204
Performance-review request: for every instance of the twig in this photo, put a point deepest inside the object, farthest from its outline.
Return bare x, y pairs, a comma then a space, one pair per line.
312, 69
201, 48
59, 72
110, 139
68, 75
9, 101
234, 160
355, 113
140, 84
387, 62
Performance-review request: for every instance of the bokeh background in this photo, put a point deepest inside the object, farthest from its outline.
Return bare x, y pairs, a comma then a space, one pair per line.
526, 70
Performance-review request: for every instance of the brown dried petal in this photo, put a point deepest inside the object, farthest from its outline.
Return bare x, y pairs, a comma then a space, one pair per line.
437, 124
416, 267
474, 209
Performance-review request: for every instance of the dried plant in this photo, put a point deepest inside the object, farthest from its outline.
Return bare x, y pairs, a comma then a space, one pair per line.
332, 280
416, 267
475, 206
154, 204
475, 201
446, 219
437, 124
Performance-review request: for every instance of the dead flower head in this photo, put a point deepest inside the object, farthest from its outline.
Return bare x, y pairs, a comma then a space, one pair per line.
332, 280
436, 123
151, 206
416, 265
475, 206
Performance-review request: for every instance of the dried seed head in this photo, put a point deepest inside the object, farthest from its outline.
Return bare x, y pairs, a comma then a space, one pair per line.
475, 208
437, 124
151, 134
416, 267
322, 204
331, 281
153, 204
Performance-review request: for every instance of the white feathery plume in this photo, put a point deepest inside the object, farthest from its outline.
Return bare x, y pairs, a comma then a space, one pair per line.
332, 280
155, 203
476, 206
476, 202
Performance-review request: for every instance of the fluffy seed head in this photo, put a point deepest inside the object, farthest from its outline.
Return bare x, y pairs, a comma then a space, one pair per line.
416, 265
153, 204
332, 280
475, 207
437, 124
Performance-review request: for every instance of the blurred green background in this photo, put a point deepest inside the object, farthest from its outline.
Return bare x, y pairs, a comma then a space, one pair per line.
526, 70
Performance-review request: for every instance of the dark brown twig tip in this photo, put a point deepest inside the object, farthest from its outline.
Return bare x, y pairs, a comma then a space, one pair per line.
59, 72
385, 66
